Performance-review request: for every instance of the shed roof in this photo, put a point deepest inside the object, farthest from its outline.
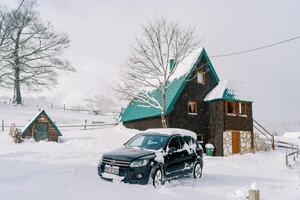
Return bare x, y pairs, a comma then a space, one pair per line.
135, 111
229, 90
28, 125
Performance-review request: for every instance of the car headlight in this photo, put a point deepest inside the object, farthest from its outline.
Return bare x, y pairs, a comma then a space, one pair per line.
139, 163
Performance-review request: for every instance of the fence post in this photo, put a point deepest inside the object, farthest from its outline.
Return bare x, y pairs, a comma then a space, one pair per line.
2, 125
273, 142
51, 105
85, 122
253, 194
286, 160
64, 107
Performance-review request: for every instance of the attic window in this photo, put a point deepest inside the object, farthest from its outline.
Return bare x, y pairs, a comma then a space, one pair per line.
192, 106
201, 77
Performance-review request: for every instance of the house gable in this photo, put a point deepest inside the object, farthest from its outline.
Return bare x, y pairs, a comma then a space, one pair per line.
138, 111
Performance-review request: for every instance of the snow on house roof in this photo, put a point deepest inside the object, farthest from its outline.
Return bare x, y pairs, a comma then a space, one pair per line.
229, 90
171, 131
187, 64
31, 121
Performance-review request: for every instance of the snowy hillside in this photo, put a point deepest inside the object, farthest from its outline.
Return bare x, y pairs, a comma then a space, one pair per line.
68, 170
20, 115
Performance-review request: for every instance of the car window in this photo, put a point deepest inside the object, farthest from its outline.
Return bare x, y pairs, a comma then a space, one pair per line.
176, 143
187, 139
148, 141
138, 141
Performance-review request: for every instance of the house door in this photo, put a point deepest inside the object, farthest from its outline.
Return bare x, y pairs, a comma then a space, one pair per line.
236, 142
41, 131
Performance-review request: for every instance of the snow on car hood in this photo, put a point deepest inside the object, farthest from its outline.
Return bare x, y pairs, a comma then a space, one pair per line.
128, 154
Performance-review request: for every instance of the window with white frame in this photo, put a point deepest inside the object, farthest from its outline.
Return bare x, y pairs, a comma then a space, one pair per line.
243, 109
201, 77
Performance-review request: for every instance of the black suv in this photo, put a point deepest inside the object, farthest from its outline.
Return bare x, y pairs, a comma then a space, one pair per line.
154, 156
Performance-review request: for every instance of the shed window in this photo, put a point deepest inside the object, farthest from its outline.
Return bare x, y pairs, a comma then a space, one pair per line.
192, 108
201, 77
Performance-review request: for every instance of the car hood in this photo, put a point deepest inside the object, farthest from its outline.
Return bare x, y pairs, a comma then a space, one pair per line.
128, 154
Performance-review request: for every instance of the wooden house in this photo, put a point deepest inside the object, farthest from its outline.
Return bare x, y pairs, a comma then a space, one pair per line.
41, 127
220, 112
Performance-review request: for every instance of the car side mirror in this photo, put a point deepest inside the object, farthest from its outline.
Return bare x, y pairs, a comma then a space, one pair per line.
172, 150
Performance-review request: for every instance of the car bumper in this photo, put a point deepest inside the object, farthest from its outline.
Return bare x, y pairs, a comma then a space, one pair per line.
133, 175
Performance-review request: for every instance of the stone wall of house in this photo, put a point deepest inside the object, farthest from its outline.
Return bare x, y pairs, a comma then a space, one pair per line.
245, 142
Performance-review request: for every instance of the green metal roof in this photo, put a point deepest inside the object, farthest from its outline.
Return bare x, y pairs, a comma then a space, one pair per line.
136, 111
35, 118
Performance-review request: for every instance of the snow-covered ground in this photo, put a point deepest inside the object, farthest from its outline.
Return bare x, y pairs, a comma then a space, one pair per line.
68, 170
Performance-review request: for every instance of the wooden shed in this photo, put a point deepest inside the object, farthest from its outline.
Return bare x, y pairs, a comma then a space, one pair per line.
41, 127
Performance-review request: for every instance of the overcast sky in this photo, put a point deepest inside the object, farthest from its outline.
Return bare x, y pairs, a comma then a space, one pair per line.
102, 31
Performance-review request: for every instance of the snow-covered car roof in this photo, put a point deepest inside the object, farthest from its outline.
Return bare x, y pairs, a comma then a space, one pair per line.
171, 131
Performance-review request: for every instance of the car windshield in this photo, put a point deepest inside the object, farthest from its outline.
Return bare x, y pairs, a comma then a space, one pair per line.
148, 141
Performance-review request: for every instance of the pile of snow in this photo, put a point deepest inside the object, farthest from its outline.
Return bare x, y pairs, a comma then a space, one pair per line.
209, 146
294, 135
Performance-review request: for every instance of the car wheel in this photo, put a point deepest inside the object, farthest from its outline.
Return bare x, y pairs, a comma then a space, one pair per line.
197, 171
157, 178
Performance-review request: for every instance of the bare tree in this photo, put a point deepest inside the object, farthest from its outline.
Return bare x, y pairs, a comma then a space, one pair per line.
154, 60
5, 30
34, 55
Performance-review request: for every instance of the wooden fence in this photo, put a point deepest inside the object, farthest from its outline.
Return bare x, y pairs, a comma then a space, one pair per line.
294, 154
85, 126
65, 107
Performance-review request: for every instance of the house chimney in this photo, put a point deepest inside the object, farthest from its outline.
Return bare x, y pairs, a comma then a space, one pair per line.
172, 64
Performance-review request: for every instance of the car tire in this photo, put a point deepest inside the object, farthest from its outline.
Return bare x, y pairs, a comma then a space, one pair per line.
157, 179
197, 170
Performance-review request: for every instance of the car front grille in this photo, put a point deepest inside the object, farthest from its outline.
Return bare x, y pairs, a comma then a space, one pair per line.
114, 162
